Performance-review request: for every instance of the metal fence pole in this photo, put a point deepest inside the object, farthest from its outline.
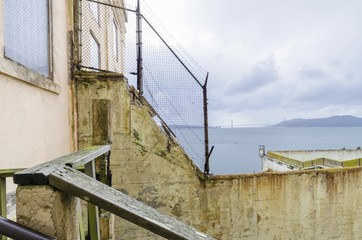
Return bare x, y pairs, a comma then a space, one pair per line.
78, 18
206, 127
139, 50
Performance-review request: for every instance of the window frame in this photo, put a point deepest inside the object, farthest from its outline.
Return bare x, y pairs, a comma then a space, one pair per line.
21, 72
94, 15
93, 37
115, 39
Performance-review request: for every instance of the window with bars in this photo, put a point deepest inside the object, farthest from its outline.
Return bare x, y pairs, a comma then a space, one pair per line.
27, 34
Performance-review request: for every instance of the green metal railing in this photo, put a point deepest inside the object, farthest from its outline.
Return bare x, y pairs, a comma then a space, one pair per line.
5, 173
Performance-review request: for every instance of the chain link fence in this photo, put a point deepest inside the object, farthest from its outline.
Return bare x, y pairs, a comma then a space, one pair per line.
171, 82
102, 36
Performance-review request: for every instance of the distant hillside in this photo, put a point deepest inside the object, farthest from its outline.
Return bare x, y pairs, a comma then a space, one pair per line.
335, 121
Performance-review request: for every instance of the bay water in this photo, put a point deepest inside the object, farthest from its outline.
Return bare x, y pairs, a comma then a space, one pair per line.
236, 149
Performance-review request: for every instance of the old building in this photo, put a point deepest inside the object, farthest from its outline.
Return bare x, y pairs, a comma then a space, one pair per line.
37, 60
56, 69
35, 88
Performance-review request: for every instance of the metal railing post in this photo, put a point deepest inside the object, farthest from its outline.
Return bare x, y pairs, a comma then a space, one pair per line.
3, 212
93, 213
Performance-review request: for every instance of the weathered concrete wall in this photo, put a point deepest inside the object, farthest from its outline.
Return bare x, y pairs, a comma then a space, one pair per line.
322, 204
48, 211
149, 166
145, 162
156, 170
91, 86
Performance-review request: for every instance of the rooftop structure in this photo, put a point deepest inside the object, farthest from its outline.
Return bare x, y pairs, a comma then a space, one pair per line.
280, 161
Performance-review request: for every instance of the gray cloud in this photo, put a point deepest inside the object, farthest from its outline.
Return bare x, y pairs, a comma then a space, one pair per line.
261, 74
312, 72
315, 68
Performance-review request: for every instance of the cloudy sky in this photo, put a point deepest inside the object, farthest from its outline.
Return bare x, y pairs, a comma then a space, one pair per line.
271, 60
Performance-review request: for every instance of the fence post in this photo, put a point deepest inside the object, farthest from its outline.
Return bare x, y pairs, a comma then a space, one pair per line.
93, 214
139, 50
77, 21
206, 127
3, 212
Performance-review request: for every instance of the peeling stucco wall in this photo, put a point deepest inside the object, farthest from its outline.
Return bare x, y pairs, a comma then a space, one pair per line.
148, 165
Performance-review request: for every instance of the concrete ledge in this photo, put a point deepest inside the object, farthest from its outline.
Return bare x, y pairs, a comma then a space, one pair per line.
89, 75
19, 72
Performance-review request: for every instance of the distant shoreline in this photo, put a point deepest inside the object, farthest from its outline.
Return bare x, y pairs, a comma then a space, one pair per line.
334, 121
272, 126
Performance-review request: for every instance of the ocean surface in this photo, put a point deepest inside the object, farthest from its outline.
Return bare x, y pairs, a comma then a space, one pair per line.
236, 149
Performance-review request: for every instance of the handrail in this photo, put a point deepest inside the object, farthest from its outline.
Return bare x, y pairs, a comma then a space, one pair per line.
5, 173
16, 230
60, 174
39, 175
82, 186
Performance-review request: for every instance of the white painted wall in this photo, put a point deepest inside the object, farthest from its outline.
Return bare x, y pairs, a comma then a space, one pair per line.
35, 122
269, 165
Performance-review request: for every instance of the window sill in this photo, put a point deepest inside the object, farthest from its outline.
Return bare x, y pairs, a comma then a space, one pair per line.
22, 73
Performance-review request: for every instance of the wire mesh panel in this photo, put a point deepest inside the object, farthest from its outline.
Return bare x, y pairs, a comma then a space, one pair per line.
102, 36
109, 41
175, 95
